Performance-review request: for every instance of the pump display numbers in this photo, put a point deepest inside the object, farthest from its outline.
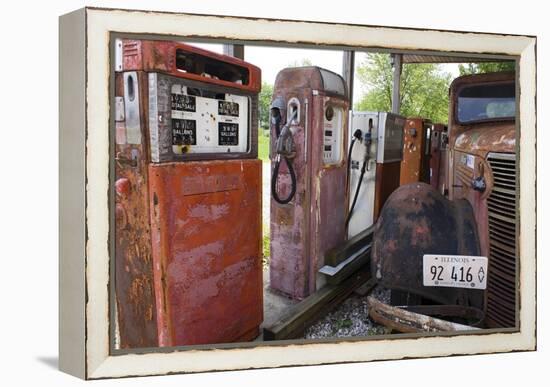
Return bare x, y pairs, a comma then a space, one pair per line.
455, 271
228, 133
227, 108
184, 103
184, 132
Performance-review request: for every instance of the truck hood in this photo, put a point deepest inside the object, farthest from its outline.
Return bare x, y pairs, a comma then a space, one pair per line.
481, 139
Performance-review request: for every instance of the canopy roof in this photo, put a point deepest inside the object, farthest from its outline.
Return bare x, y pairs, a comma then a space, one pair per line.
419, 58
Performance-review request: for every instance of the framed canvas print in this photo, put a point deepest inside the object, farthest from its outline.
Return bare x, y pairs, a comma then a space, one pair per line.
242, 193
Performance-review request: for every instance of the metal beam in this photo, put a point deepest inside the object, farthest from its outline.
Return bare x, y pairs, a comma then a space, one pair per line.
236, 50
348, 66
397, 63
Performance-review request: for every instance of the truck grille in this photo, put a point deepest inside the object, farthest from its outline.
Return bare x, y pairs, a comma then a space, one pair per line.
501, 203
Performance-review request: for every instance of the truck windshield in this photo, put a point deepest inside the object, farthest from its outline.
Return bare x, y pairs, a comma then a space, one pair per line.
486, 102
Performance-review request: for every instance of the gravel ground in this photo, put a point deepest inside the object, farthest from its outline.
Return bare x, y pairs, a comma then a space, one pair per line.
350, 319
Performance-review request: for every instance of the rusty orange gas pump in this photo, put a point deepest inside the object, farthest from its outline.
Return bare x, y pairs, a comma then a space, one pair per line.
415, 166
188, 196
308, 162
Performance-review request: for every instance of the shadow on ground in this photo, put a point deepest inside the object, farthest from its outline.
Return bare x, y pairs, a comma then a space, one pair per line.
50, 361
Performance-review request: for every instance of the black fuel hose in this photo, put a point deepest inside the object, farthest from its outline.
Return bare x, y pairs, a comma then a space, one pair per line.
275, 175
356, 135
274, 181
350, 213
348, 172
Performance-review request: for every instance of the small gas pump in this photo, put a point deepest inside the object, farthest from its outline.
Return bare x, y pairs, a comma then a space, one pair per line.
374, 165
308, 160
415, 166
188, 264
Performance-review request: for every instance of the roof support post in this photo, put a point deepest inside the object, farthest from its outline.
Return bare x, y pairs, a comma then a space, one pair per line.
348, 66
397, 63
236, 50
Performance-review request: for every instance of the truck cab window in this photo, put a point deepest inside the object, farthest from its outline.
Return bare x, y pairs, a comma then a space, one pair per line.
486, 102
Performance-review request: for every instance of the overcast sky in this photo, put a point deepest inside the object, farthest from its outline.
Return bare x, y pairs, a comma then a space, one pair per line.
271, 60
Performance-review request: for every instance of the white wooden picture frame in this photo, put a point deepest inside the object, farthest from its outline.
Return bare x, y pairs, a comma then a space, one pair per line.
84, 192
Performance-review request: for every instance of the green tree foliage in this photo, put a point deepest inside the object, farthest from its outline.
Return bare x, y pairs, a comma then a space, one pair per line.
489, 67
265, 103
424, 88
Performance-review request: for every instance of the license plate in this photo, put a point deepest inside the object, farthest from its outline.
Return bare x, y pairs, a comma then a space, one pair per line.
455, 271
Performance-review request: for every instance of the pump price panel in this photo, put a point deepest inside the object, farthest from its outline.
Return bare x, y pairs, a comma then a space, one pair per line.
332, 135
455, 271
184, 132
206, 122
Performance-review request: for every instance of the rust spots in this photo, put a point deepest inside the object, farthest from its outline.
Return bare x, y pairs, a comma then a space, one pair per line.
133, 266
482, 139
421, 233
122, 187
140, 288
120, 216
391, 245
284, 215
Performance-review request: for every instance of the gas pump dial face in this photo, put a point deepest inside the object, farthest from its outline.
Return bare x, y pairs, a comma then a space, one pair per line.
329, 113
208, 123
332, 135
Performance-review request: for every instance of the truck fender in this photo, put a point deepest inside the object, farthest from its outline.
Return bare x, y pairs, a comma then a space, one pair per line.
416, 220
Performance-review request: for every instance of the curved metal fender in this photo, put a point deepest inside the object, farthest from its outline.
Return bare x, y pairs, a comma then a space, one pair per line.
416, 220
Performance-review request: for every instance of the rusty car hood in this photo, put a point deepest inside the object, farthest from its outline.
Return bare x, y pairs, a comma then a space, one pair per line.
481, 139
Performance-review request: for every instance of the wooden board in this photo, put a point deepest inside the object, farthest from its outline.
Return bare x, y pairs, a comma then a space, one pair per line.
304, 313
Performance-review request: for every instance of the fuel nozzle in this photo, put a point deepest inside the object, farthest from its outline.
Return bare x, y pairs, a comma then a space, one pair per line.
367, 141
275, 116
367, 138
285, 142
277, 105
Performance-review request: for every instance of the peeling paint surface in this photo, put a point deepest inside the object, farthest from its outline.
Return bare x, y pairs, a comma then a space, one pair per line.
207, 252
480, 140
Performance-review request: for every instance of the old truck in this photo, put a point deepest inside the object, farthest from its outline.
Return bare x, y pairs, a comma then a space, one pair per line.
472, 213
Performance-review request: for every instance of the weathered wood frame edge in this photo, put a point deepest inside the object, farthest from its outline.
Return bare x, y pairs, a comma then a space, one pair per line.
72, 193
